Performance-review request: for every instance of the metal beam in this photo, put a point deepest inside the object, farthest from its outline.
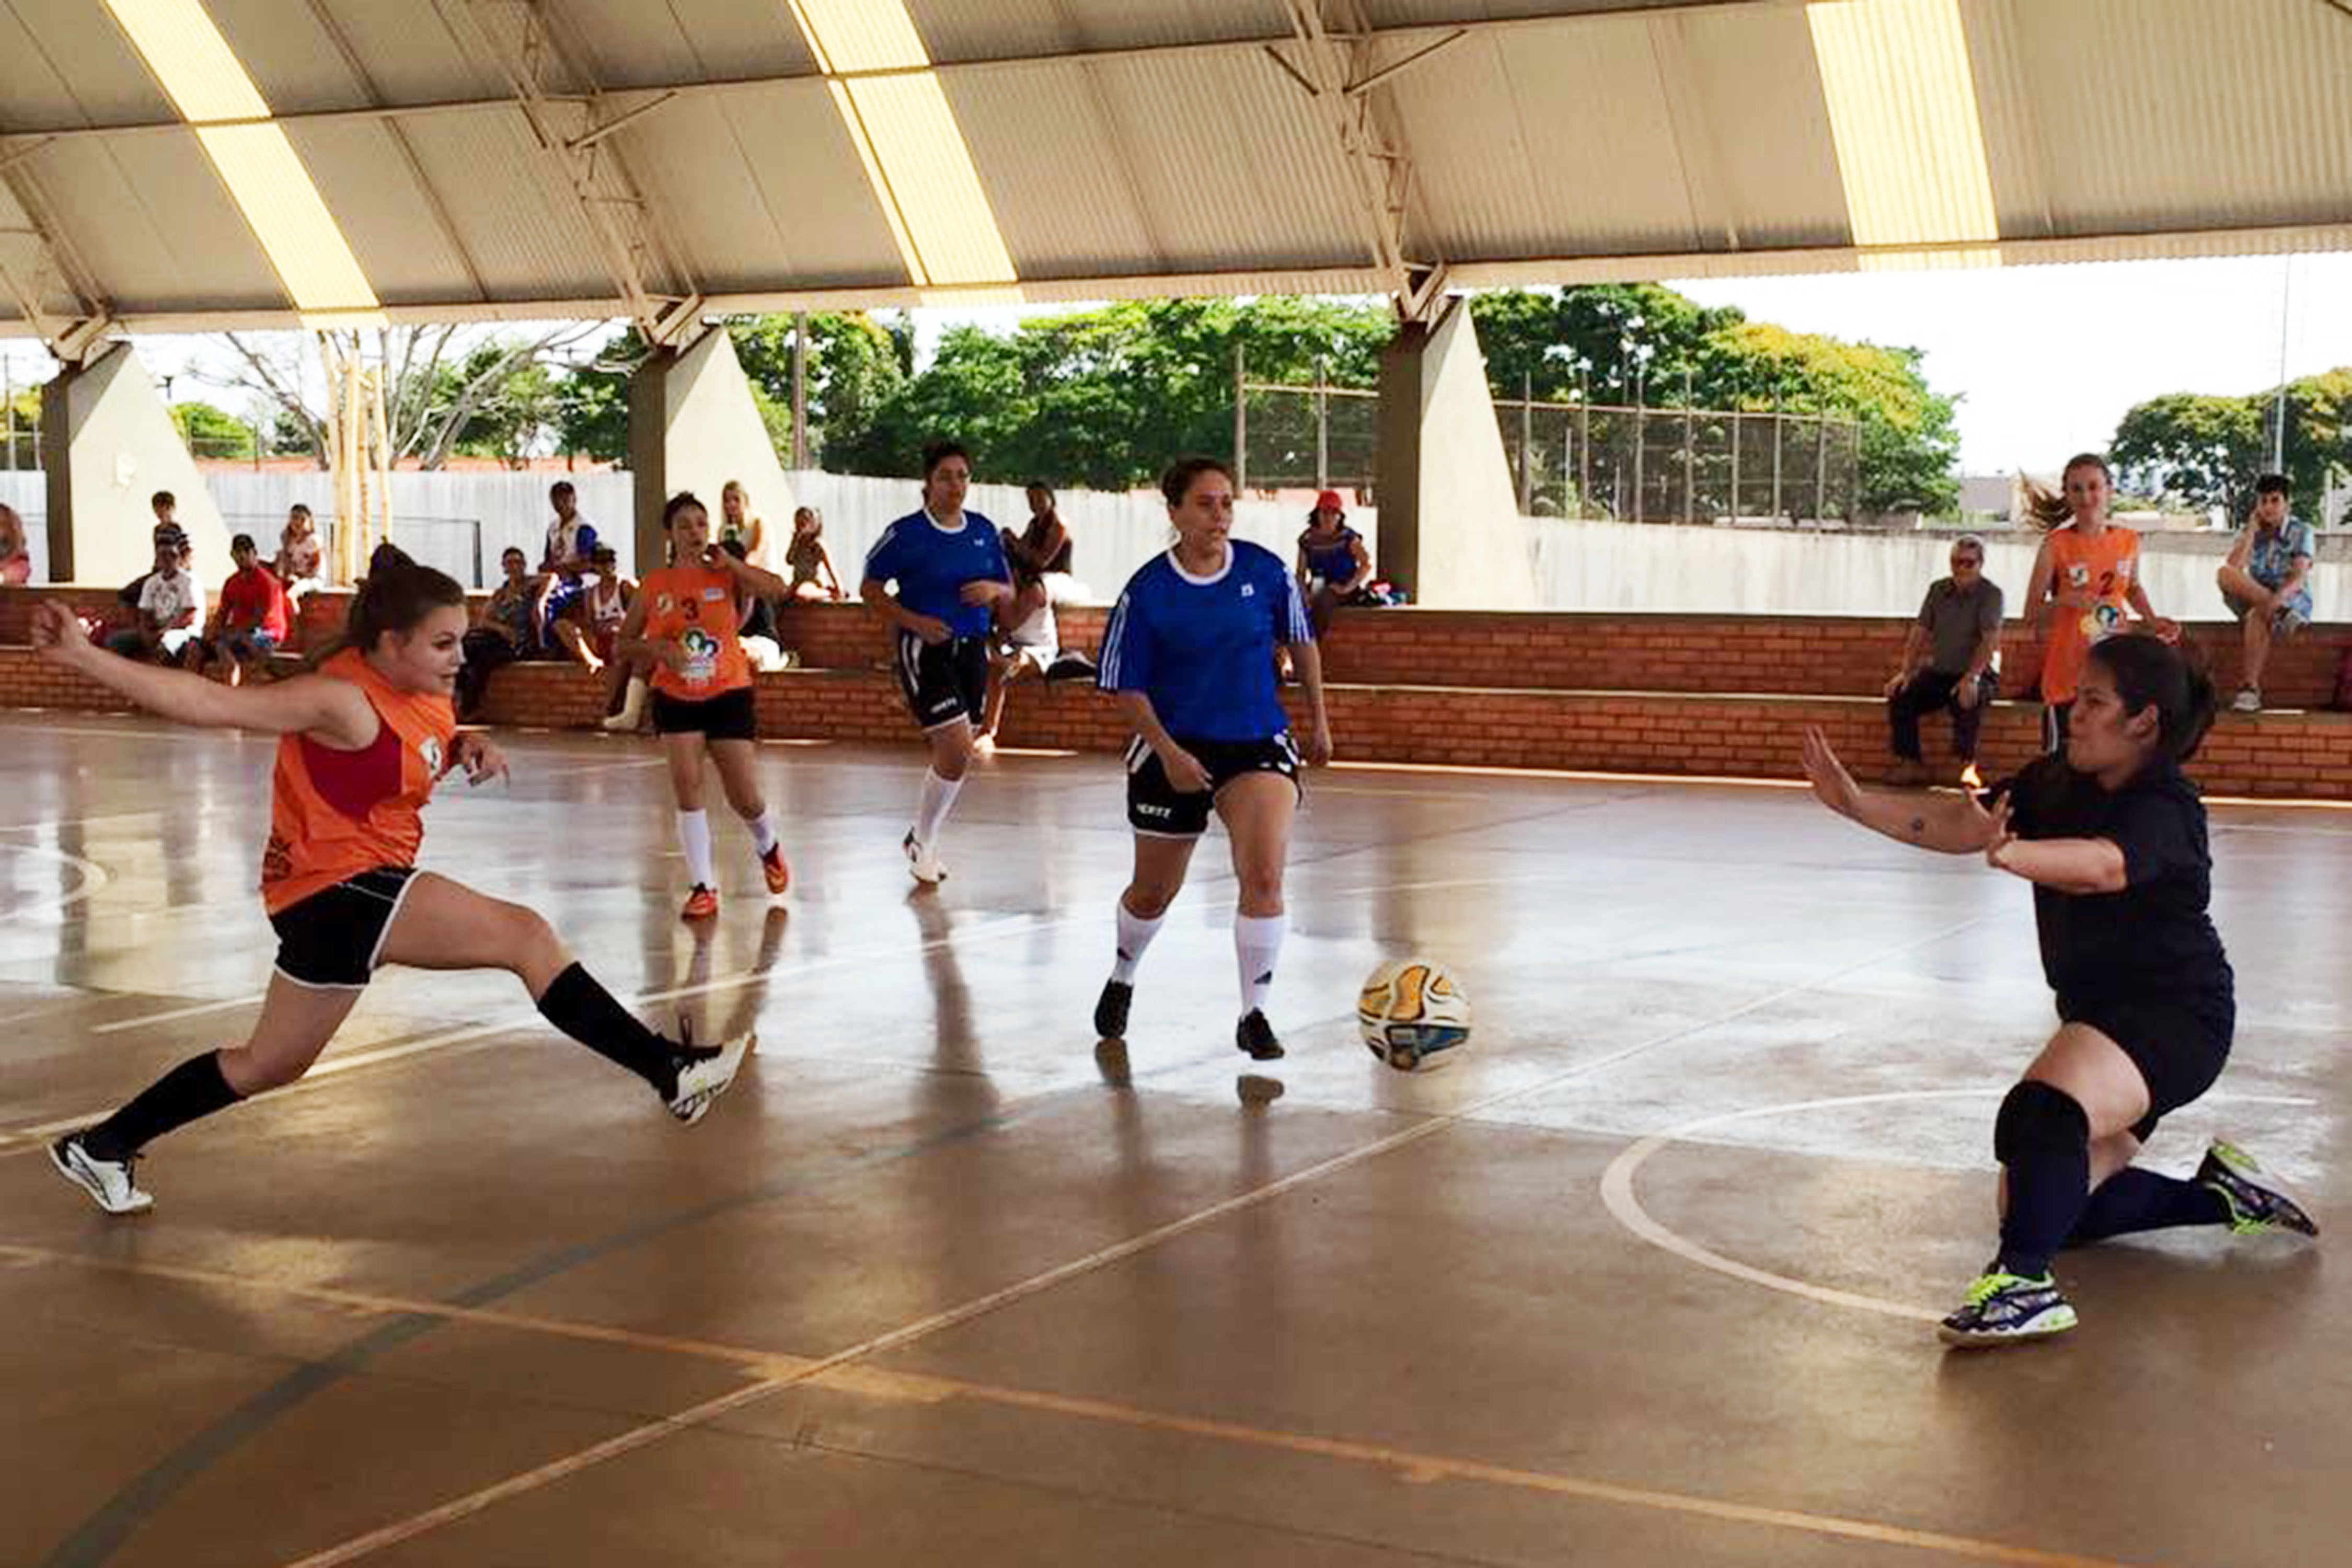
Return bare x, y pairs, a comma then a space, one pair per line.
520, 38
36, 263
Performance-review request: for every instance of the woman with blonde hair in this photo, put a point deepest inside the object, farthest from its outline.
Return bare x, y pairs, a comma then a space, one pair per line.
738, 523
2083, 579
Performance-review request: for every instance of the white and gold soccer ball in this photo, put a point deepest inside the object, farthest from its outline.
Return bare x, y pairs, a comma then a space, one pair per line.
1413, 1013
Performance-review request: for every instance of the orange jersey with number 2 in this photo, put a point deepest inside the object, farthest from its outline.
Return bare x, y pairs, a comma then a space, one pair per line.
2106, 566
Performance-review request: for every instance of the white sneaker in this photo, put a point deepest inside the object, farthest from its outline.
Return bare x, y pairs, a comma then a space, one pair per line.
108, 1181
923, 862
2248, 701
700, 1082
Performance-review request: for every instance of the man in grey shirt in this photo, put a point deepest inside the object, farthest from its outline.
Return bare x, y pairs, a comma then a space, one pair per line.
1947, 661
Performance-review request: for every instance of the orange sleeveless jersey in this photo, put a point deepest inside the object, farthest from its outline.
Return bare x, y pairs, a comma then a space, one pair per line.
334, 815
2106, 565
696, 606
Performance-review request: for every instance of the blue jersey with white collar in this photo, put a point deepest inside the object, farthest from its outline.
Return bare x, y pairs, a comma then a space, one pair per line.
932, 565
1202, 648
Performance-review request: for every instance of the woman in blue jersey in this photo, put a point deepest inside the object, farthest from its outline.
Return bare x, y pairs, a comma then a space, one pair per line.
1333, 564
1190, 653
949, 567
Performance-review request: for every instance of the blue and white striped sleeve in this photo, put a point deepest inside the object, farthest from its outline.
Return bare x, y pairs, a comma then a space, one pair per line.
1291, 625
1125, 648
882, 560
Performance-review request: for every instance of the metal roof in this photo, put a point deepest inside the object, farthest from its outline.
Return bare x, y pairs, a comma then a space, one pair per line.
1129, 149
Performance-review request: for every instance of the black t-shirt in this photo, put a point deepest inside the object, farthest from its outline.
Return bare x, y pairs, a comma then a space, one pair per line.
2153, 939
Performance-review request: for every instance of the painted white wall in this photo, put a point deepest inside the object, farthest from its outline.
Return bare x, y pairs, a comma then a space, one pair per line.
1475, 549
435, 516
125, 447
712, 432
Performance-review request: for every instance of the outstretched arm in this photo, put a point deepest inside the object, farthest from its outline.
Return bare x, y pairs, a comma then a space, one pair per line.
1951, 824
333, 711
2068, 865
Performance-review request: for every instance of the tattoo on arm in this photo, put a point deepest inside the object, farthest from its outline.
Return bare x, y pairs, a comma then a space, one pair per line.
1918, 826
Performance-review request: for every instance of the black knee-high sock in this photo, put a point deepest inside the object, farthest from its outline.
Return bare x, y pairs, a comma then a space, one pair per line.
2136, 1200
2043, 1141
585, 1010
197, 1088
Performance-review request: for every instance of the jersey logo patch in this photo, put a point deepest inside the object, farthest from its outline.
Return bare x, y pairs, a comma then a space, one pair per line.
712, 595
431, 752
1249, 590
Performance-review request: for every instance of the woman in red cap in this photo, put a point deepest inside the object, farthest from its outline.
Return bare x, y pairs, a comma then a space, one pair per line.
1333, 564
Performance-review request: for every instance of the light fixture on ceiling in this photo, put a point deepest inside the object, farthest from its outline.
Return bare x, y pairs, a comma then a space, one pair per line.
914, 152
265, 176
1908, 131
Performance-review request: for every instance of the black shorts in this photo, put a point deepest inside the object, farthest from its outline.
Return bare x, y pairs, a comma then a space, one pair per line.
334, 939
2180, 1045
730, 716
1158, 810
943, 681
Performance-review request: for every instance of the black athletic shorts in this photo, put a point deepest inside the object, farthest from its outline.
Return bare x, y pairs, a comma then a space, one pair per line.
2179, 1044
943, 681
1156, 808
334, 939
730, 716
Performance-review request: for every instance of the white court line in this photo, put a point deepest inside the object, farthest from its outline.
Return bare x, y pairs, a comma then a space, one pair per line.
199, 1011
701, 1414
93, 877
1625, 1205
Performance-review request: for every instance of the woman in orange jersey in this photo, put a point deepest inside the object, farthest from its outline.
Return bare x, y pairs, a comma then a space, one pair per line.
363, 741
2085, 578
683, 627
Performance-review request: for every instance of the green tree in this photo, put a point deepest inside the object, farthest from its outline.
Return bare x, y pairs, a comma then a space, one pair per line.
2192, 449
212, 432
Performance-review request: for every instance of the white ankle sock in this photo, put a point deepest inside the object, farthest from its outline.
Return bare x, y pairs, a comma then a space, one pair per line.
938, 798
1135, 934
694, 837
1257, 943
763, 830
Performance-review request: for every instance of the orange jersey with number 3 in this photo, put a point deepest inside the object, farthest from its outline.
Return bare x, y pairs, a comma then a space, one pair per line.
695, 606
2106, 566
333, 815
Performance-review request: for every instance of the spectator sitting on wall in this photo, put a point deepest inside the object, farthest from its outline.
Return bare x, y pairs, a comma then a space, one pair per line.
15, 554
2266, 582
300, 554
166, 507
591, 628
813, 577
504, 631
739, 524
1333, 563
763, 644
571, 541
1039, 558
1949, 660
252, 620
171, 605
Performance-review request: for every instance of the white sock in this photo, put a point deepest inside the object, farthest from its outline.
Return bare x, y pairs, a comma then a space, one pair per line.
1135, 934
763, 830
931, 812
1257, 943
694, 837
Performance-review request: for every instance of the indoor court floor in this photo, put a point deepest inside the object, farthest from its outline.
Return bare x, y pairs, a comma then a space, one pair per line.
1649, 1277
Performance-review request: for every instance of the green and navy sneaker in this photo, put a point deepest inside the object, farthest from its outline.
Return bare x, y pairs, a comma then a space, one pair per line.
2005, 1309
2256, 1207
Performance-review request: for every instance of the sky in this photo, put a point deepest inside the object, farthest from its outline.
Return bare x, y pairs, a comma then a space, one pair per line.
2045, 359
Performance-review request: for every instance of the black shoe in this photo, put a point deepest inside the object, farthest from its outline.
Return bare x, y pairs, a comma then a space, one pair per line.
1111, 1010
1255, 1036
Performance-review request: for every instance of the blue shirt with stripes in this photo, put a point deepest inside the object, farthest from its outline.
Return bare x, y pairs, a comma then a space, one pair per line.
932, 565
1202, 648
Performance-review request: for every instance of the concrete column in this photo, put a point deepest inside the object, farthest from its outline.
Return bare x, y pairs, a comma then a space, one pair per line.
1450, 532
108, 443
693, 426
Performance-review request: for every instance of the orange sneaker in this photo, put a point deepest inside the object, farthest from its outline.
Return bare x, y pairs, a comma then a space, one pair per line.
780, 876
700, 904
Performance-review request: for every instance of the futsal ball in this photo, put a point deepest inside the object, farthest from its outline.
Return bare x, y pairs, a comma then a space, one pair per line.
1413, 1013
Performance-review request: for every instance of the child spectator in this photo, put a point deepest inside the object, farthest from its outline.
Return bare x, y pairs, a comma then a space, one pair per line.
171, 605
15, 554
298, 554
812, 577
252, 621
589, 630
2266, 582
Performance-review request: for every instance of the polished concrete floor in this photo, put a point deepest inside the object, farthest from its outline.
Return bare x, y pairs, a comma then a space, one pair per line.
1648, 1279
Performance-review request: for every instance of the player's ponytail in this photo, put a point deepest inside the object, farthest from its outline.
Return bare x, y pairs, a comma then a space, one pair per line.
2047, 509
2152, 674
396, 595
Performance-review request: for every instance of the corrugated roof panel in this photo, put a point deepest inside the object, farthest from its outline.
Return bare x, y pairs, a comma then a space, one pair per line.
1053, 170
2200, 115
385, 214
21, 255
993, 29
1232, 162
1767, 127
509, 206
1549, 140
829, 227
293, 60
151, 217
82, 50
688, 152
629, 43
632, 43
409, 53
